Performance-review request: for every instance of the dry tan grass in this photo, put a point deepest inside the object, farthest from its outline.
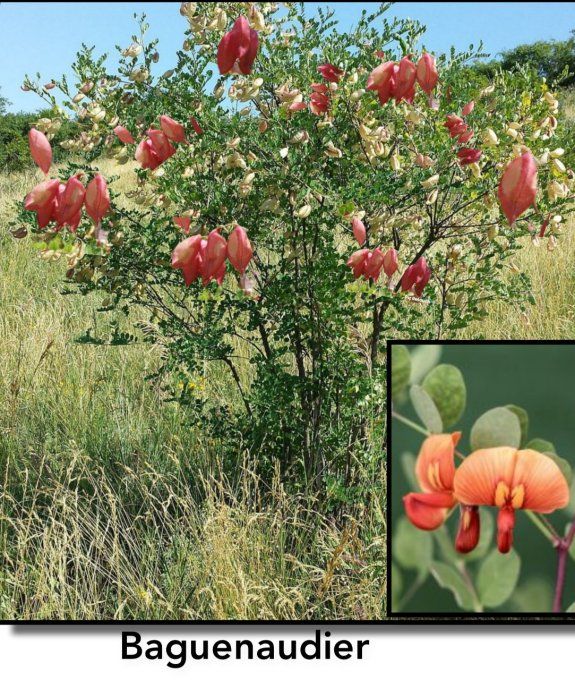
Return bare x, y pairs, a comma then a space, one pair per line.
553, 315
111, 506
93, 555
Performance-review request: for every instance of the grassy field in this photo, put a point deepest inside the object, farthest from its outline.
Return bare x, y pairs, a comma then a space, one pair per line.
112, 507
553, 278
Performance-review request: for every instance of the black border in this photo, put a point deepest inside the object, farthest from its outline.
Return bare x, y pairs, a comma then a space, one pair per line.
495, 618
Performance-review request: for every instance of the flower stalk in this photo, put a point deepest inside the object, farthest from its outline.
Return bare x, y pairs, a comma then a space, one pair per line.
563, 545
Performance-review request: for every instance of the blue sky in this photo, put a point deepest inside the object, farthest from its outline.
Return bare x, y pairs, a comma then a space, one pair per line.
45, 36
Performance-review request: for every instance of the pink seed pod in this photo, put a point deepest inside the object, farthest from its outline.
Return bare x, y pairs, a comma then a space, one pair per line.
359, 232
123, 134
97, 200
518, 186
173, 130
40, 150
239, 249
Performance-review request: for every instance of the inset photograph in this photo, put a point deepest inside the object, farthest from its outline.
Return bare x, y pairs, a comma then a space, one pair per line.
481, 448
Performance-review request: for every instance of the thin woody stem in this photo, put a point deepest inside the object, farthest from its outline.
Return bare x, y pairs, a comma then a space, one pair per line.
548, 525
543, 527
478, 607
418, 428
563, 546
410, 423
560, 581
415, 586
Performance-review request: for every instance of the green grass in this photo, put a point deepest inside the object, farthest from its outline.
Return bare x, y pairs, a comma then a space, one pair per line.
113, 507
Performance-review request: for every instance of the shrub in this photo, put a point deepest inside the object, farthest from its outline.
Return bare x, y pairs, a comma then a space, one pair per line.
317, 141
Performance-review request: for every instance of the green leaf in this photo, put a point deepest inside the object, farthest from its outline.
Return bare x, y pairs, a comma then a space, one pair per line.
426, 409
446, 545
55, 243
401, 398
562, 464
423, 359
400, 368
570, 609
496, 427
88, 339
541, 445
485, 536
446, 386
533, 596
448, 577
523, 416
346, 208
411, 547
408, 467
497, 577
569, 510
396, 585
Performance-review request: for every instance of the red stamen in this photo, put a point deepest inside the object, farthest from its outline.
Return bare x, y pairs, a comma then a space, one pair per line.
505, 526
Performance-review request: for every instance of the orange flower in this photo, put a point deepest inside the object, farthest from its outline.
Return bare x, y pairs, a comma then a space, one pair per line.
435, 471
511, 480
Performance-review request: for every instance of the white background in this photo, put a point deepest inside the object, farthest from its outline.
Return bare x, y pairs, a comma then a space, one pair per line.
411, 652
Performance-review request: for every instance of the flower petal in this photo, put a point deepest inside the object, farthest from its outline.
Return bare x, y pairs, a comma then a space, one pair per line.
468, 531
427, 511
545, 486
435, 467
476, 479
505, 526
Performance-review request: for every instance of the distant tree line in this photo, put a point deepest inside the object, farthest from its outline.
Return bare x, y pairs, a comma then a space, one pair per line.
553, 60
14, 127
